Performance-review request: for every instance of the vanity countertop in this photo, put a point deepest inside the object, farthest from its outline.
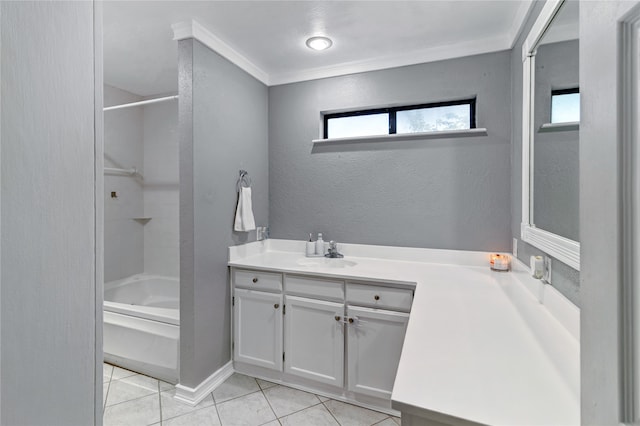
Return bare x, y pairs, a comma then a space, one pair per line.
479, 348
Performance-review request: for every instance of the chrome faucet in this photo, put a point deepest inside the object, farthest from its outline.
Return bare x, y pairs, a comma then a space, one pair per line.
333, 251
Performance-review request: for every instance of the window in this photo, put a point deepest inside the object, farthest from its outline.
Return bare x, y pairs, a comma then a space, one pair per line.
565, 105
454, 115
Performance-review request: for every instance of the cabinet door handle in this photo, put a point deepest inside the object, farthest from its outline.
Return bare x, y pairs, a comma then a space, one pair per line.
376, 297
337, 317
350, 320
276, 306
255, 280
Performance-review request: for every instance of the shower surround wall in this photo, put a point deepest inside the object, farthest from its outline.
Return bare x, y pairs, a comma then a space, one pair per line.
123, 148
144, 137
161, 189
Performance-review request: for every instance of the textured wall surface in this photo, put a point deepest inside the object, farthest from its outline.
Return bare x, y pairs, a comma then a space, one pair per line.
123, 149
161, 189
556, 206
443, 193
600, 208
223, 128
564, 278
48, 323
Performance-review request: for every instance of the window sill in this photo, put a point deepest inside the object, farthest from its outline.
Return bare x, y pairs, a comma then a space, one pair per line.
559, 127
444, 134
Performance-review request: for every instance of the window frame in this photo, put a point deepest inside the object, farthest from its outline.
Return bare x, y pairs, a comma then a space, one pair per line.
392, 114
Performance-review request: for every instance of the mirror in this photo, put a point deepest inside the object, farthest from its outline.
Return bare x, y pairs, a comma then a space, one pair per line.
551, 114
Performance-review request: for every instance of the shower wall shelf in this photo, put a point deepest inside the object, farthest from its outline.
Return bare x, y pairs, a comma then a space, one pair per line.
132, 171
142, 220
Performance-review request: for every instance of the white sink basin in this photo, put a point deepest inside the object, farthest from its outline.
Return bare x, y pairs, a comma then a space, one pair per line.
326, 262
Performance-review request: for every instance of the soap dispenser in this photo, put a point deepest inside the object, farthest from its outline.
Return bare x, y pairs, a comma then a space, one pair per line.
311, 247
320, 244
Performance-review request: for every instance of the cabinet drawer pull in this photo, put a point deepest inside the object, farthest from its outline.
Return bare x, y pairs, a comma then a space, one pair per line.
255, 280
376, 297
337, 317
276, 306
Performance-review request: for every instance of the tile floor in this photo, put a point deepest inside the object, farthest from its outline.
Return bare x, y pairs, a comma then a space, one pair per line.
133, 399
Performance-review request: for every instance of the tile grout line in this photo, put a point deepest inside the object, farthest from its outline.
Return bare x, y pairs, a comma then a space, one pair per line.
216, 407
297, 411
268, 402
160, 402
104, 404
235, 397
386, 418
195, 410
128, 400
327, 408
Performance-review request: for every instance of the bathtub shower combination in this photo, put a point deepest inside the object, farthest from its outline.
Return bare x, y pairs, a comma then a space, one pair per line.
142, 325
141, 296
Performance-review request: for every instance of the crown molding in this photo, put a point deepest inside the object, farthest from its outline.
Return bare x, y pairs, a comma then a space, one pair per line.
193, 29
439, 53
520, 19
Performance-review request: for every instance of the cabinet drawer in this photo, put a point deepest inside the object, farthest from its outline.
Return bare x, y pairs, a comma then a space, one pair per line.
379, 297
257, 280
315, 287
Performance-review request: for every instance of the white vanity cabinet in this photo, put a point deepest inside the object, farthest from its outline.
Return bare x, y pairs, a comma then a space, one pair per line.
375, 336
257, 318
374, 344
337, 337
314, 339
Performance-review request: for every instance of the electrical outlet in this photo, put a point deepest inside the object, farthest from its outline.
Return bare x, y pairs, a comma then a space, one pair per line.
262, 233
515, 248
546, 276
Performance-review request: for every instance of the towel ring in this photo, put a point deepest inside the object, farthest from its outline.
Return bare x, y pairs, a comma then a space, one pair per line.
244, 181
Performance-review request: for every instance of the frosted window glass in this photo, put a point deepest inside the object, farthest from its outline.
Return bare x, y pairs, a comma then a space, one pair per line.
358, 125
452, 117
565, 108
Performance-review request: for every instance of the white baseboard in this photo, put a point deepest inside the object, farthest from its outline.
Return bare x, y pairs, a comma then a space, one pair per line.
193, 396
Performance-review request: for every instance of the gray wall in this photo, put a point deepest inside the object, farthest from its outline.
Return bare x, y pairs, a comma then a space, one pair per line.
48, 323
564, 278
556, 172
123, 149
223, 128
445, 193
600, 211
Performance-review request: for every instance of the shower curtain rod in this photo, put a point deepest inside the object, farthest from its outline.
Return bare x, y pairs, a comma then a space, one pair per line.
148, 101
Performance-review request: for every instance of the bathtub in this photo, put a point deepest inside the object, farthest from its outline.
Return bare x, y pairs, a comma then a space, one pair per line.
142, 325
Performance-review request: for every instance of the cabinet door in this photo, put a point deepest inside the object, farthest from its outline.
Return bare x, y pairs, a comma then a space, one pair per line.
374, 344
257, 331
314, 340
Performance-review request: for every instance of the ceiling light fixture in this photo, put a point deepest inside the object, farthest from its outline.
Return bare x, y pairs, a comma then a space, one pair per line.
319, 43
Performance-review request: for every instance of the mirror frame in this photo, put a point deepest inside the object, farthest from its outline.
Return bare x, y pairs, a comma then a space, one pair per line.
563, 249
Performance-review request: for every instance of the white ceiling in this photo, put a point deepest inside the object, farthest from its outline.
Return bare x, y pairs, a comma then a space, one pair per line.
140, 55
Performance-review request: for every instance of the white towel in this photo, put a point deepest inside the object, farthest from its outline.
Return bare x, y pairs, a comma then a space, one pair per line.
244, 213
